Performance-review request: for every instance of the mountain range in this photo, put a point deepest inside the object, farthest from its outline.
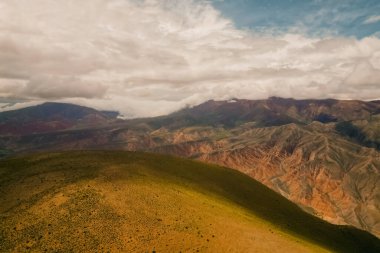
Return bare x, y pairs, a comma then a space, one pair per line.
323, 155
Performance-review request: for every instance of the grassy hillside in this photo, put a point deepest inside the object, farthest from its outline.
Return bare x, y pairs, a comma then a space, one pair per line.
138, 202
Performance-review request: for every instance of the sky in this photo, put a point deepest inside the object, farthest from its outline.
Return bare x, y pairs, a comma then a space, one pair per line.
152, 57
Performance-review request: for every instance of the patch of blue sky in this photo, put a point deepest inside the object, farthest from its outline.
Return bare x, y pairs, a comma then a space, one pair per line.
357, 18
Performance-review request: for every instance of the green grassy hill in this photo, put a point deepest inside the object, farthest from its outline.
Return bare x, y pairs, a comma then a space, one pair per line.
97, 201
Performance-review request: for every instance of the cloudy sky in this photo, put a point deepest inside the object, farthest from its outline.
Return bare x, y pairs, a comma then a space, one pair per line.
152, 57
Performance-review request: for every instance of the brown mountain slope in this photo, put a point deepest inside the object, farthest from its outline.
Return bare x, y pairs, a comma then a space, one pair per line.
365, 131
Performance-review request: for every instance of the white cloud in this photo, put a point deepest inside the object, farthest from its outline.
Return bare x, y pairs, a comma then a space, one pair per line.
372, 19
147, 58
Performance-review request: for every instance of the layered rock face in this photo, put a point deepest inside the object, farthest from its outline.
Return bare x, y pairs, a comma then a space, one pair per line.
314, 167
321, 154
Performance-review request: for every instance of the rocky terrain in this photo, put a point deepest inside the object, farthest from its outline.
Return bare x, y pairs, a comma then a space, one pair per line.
321, 154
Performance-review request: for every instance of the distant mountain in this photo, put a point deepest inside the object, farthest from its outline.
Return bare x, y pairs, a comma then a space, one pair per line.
138, 202
321, 154
269, 112
50, 117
